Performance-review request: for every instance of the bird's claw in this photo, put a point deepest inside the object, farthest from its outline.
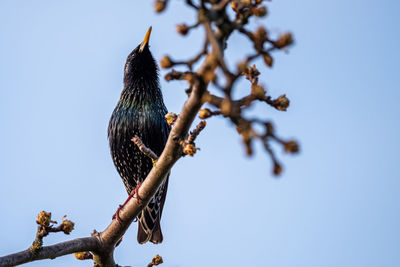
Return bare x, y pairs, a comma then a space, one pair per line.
135, 193
116, 215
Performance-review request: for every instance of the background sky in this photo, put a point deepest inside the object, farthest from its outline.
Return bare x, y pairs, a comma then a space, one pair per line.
337, 203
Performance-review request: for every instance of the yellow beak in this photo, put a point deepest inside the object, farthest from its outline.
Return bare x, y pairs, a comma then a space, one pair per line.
146, 40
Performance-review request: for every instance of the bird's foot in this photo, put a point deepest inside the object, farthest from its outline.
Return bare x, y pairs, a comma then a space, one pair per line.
116, 215
135, 193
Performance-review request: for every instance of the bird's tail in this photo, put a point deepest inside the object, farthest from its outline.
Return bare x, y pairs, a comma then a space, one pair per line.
149, 218
155, 235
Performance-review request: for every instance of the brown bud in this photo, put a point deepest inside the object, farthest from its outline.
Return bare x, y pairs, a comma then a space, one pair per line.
258, 91
44, 218
268, 60
182, 29
243, 126
157, 260
202, 125
67, 226
281, 103
252, 71
168, 77
171, 118
160, 5
205, 113
85, 255
284, 40
291, 147
260, 11
277, 168
166, 62
261, 34
189, 149
258, 2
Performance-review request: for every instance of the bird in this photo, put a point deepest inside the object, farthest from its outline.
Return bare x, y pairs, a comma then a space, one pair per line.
140, 112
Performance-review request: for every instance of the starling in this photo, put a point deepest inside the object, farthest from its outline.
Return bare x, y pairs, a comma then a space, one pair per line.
140, 111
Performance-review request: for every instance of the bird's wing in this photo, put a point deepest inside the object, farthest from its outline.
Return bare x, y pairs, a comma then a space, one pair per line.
149, 218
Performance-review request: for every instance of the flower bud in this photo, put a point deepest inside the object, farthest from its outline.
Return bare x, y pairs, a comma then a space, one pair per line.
67, 226
166, 62
159, 6
277, 168
284, 40
182, 29
281, 103
291, 147
85, 255
258, 91
261, 34
157, 260
252, 71
171, 118
189, 149
205, 113
44, 218
260, 11
268, 60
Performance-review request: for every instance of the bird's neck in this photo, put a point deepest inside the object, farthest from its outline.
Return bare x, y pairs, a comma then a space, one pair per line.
141, 94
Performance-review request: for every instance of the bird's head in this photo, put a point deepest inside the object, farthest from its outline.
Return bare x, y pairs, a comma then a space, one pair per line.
140, 64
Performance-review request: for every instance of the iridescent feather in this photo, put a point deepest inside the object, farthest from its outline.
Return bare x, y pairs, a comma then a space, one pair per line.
140, 111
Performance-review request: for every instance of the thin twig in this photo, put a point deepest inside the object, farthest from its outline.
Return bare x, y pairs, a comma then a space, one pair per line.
193, 135
51, 252
144, 149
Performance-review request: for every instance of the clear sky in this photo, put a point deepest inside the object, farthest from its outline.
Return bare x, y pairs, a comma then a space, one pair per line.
337, 203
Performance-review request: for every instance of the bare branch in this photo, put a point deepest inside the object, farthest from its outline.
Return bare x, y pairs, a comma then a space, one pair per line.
144, 149
51, 252
157, 260
193, 135
218, 29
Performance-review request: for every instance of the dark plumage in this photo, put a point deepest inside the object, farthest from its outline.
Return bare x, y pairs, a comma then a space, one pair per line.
140, 111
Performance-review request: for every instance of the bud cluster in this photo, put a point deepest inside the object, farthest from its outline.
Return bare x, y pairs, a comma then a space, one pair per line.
218, 25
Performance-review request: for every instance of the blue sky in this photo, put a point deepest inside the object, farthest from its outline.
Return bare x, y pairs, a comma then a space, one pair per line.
336, 203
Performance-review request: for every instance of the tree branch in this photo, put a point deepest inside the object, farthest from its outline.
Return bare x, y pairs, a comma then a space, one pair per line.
51, 252
102, 245
218, 28
144, 149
